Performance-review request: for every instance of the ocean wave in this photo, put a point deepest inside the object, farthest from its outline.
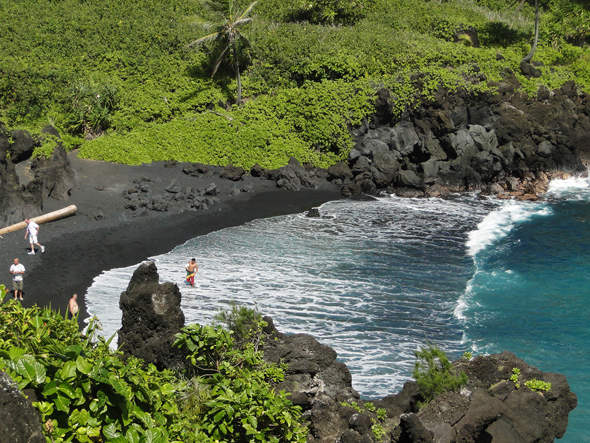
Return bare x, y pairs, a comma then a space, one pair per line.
498, 224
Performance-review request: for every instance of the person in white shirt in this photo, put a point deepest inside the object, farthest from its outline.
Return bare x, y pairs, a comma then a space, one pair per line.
17, 270
32, 231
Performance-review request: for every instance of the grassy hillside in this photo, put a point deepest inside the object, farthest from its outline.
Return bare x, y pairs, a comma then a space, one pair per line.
117, 79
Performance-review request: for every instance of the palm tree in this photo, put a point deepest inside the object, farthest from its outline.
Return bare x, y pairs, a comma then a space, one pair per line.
227, 31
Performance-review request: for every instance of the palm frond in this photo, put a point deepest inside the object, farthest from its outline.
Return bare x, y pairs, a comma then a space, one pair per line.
206, 39
243, 21
246, 11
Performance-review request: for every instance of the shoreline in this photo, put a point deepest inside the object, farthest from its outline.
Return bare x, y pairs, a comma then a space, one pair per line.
80, 247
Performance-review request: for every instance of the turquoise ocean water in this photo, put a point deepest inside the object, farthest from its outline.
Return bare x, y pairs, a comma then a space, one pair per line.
379, 279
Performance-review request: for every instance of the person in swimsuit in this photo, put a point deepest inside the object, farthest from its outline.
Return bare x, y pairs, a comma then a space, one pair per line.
191, 270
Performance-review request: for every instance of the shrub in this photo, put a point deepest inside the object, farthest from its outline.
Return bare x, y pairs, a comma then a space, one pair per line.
245, 324
537, 385
435, 374
86, 392
241, 403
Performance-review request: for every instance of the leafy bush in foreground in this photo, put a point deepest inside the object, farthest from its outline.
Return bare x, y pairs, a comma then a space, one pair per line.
88, 393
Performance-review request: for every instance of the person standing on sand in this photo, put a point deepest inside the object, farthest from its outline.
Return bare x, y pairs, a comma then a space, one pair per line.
73, 305
191, 270
32, 231
17, 270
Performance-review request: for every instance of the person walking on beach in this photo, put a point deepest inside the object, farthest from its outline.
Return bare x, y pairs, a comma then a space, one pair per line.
191, 270
32, 231
73, 305
17, 270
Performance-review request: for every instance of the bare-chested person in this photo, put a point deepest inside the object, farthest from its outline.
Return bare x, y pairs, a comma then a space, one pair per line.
191, 270
73, 305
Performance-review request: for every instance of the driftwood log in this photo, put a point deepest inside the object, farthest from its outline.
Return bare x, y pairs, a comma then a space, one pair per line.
55, 215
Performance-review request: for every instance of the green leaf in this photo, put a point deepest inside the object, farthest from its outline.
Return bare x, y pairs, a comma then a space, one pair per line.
83, 417
66, 388
167, 389
62, 403
132, 436
155, 435
72, 351
15, 353
93, 406
68, 371
93, 431
253, 421
73, 419
44, 407
35, 371
219, 416
50, 388
83, 365
111, 432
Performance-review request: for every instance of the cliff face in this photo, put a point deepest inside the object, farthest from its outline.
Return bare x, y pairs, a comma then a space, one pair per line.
52, 177
502, 142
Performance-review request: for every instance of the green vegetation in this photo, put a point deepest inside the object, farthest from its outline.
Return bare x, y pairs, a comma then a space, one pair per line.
88, 393
514, 377
533, 384
537, 385
378, 419
435, 374
121, 83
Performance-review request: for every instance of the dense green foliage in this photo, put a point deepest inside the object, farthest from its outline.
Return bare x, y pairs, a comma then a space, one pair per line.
89, 393
124, 70
435, 374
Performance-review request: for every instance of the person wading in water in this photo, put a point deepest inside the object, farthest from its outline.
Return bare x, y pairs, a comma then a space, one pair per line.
191, 270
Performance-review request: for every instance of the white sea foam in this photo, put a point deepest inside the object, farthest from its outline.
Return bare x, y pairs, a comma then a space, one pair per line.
498, 224
375, 280
557, 186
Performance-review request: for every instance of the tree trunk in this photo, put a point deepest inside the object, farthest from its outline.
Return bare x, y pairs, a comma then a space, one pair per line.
55, 215
237, 68
529, 56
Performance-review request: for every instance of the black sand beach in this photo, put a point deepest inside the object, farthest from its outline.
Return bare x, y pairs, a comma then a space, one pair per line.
103, 234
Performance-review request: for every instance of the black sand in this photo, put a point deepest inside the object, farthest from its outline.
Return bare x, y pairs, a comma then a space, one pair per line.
103, 234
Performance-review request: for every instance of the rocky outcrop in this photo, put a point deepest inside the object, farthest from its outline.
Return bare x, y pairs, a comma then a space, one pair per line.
491, 407
54, 174
316, 381
291, 177
21, 422
151, 316
462, 142
16, 201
